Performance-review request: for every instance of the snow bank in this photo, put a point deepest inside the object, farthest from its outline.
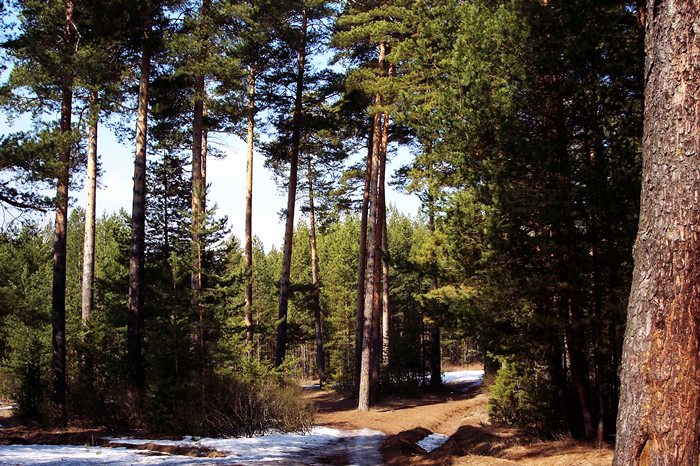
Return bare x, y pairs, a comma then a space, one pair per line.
432, 442
360, 446
463, 377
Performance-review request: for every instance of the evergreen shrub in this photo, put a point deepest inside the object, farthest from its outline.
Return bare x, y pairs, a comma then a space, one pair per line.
520, 395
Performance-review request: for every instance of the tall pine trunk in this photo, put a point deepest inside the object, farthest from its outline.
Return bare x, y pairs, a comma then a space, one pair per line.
197, 220
281, 348
90, 208
659, 407
316, 292
369, 369
362, 264
135, 370
249, 210
384, 242
198, 208
58, 298
370, 271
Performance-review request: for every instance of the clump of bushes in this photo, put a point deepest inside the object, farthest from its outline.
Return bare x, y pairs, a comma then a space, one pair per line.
520, 395
254, 407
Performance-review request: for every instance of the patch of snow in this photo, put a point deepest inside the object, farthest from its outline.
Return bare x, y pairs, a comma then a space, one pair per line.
462, 377
360, 446
311, 386
432, 442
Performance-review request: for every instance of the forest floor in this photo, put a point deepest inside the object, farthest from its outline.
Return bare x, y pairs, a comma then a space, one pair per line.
457, 418
446, 428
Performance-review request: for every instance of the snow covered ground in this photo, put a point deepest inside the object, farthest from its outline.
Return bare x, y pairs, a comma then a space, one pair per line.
432, 442
360, 447
462, 377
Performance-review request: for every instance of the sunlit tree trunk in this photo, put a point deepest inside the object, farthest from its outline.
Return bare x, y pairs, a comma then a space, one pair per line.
91, 186
362, 264
135, 370
370, 271
659, 408
281, 348
384, 242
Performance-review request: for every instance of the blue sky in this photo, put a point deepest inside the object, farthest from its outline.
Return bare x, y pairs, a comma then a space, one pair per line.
227, 187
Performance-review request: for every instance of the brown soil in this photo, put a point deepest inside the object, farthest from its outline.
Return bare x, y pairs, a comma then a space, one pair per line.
461, 413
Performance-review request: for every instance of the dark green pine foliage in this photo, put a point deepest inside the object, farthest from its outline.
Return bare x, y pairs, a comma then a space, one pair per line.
535, 117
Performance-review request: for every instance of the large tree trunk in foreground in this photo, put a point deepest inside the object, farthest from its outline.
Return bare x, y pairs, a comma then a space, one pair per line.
89, 239
316, 304
135, 370
281, 348
249, 210
658, 415
58, 298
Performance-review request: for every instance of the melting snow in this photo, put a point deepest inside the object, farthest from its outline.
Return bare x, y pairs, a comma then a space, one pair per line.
361, 447
432, 441
463, 376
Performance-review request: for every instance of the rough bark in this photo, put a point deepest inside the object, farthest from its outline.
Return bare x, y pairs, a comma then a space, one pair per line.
658, 413
58, 298
281, 347
316, 298
249, 209
135, 370
90, 208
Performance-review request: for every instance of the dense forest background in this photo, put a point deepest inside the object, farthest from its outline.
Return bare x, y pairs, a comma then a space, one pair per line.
524, 119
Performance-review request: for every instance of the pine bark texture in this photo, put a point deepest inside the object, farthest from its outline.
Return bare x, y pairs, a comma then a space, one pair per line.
658, 414
90, 208
281, 347
135, 370
58, 298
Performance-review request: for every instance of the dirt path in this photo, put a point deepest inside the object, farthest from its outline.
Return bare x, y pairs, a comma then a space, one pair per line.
459, 412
